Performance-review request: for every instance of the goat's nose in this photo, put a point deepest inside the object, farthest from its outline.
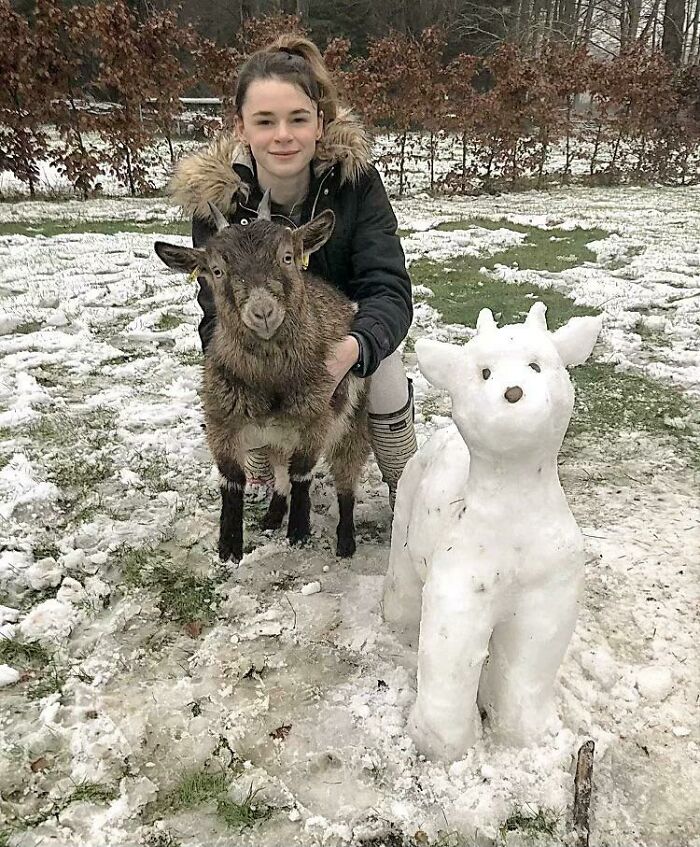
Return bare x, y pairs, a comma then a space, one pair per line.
262, 313
513, 394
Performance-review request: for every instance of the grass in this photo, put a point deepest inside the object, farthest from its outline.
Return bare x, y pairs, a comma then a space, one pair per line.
93, 792
608, 401
530, 824
196, 789
191, 357
182, 596
13, 652
104, 227
168, 321
459, 294
44, 672
154, 470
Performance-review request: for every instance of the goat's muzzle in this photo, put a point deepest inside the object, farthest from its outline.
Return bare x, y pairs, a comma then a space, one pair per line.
263, 314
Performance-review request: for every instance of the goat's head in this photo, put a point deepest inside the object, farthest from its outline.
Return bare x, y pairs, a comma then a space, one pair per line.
510, 389
254, 271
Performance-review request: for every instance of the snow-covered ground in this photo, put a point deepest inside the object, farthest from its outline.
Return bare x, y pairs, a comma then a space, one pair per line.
102, 451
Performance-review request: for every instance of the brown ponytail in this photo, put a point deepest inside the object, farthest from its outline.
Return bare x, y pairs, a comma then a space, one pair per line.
292, 58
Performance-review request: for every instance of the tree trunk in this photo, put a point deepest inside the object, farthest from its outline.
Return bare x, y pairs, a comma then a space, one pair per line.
674, 20
692, 55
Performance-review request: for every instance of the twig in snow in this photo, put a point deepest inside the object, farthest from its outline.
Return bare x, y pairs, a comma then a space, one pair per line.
583, 787
293, 611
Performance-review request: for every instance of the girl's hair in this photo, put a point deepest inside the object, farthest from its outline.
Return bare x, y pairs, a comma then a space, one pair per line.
291, 58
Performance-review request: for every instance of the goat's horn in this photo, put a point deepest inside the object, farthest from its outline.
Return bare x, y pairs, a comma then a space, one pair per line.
219, 219
264, 209
536, 316
485, 322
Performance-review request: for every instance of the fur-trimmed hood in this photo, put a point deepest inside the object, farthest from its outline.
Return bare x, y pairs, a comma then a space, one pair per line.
208, 176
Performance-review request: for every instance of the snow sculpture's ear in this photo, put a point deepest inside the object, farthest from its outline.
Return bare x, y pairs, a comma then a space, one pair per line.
576, 339
485, 322
536, 317
437, 361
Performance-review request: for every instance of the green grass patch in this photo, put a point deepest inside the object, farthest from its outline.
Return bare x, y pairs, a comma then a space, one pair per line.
191, 357
198, 788
93, 792
78, 478
168, 321
460, 294
182, 596
530, 824
608, 401
28, 327
50, 228
553, 250
24, 654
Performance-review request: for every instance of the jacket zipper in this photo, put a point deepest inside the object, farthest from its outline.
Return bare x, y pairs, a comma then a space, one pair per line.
313, 208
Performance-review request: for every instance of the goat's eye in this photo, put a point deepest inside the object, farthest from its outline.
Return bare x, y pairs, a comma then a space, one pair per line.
535, 367
486, 373
218, 273
288, 258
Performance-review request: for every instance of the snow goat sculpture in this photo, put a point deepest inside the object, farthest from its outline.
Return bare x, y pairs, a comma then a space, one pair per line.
486, 556
265, 380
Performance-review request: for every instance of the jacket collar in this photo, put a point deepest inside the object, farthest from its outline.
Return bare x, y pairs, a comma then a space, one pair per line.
216, 174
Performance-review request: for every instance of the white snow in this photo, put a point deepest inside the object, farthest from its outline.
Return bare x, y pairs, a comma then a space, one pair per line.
109, 390
8, 675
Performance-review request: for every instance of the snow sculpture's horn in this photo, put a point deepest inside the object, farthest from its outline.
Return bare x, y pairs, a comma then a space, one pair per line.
264, 209
219, 219
485, 322
536, 316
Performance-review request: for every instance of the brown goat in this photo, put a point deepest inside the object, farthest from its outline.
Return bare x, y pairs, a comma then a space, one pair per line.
265, 381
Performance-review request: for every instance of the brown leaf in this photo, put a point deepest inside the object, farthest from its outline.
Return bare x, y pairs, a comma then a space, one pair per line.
193, 629
281, 732
40, 764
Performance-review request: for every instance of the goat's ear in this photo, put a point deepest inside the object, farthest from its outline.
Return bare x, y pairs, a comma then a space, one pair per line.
576, 339
185, 259
313, 235
437, 362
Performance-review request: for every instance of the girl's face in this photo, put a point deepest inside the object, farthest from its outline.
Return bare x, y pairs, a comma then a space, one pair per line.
281, 125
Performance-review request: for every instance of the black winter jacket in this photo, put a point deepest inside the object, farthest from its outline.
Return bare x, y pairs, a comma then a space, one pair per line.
363, 256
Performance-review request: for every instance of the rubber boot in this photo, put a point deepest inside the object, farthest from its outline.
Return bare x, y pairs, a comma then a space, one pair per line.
393, 440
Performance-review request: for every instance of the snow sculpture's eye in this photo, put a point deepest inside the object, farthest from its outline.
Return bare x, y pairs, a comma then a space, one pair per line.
218, 273
535, 367
486, 373
288, 258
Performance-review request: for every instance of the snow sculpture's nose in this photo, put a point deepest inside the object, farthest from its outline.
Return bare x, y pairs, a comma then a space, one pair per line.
513, 394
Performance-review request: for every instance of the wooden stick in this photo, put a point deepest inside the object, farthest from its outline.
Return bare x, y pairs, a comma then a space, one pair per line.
583, 787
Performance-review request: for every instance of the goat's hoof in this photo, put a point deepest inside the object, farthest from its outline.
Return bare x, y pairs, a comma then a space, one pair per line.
232, 551
346, 547
298, 535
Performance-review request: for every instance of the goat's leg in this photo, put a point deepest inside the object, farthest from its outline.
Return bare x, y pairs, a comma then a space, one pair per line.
231, 520
278, 504
301, 467
347, 458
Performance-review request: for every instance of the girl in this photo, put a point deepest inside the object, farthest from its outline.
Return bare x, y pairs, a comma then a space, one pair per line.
293, 137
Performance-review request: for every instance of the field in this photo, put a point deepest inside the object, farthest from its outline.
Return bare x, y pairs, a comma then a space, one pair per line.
150, 696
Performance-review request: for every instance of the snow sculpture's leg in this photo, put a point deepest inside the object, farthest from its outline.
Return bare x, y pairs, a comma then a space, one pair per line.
403, 587
517, 686
454, 636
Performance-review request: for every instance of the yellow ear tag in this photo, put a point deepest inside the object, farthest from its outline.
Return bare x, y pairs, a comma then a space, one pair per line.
305, 261
193, 276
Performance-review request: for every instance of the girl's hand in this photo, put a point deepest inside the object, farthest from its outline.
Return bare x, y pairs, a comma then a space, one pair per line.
342, 357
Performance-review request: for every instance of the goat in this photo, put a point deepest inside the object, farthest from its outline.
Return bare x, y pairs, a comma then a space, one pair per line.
265, 383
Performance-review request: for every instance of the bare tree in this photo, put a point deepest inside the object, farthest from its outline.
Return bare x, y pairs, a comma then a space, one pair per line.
674, 22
